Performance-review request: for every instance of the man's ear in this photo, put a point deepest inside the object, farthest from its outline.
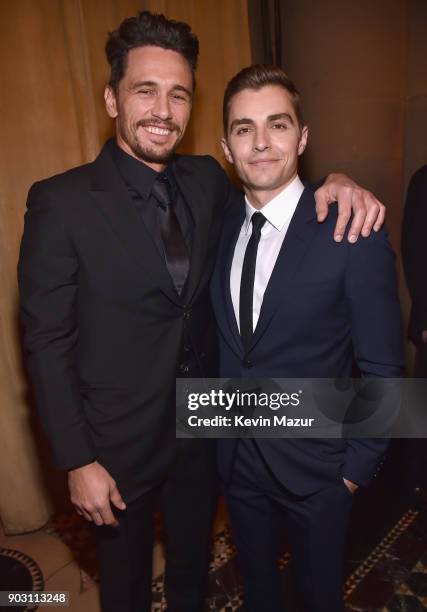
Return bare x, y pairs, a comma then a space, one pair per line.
110, 102
227, 152
303, 140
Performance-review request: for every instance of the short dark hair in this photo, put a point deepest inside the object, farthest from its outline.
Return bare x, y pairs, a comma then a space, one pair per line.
255, 77
146, 29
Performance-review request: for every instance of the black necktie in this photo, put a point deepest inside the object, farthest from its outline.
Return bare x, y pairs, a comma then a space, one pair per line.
176, 251
247, 281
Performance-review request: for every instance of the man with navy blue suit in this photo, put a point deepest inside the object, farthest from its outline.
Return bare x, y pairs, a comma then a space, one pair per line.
291, 302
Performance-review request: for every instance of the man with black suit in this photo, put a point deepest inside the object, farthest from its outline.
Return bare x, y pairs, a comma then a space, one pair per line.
114, 269
290, 302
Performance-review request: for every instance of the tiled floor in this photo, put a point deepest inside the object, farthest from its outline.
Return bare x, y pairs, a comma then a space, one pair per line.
386, 565
63, 550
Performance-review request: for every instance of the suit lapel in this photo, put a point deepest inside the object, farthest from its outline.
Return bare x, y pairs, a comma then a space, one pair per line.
111, 196
295, 244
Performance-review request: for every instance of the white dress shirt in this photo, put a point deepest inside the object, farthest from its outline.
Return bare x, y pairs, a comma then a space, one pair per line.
278, 212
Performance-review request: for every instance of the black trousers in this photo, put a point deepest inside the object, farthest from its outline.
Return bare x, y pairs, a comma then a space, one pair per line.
188, 500
260, 508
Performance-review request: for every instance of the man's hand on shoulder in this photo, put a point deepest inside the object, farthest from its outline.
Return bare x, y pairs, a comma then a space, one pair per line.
91, 491
368, 212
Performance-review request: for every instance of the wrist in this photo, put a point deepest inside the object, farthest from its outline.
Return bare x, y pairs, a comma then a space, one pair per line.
81, 467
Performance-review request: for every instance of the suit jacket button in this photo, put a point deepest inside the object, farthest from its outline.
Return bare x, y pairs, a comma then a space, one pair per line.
247, 363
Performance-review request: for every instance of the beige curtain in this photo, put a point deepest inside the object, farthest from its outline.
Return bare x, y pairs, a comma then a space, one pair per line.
52, 117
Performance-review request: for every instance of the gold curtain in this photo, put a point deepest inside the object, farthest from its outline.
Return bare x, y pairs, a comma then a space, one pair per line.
52, 118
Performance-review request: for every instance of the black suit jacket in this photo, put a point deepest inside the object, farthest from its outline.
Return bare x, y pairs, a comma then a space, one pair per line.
104, 327
325, 303
414, 251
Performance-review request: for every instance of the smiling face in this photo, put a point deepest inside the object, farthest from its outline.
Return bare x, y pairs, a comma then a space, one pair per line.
152, 104
263, 141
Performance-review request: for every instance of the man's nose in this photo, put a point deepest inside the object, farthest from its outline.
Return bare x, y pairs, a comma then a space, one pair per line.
261, 141
161, 107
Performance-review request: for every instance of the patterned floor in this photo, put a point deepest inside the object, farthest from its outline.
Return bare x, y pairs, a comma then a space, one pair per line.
386, 563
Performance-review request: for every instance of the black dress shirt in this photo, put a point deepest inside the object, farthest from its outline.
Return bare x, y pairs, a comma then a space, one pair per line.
139, 179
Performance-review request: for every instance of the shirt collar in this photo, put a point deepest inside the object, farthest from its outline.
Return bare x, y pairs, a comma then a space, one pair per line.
137, 175
280, 209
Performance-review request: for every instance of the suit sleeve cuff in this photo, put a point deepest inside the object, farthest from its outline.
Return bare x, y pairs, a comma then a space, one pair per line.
73, 449
363, 461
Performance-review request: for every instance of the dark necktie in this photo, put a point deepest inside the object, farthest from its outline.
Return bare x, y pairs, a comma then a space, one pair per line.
175, 249
247, 281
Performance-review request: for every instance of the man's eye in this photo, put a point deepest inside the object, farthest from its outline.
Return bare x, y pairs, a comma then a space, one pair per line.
279, 126
179, 97
242, 130
145, 92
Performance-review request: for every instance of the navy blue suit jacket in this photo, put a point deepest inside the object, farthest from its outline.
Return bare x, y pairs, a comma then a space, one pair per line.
326, 305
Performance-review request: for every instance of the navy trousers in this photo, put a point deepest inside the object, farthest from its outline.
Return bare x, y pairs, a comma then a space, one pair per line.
260, 509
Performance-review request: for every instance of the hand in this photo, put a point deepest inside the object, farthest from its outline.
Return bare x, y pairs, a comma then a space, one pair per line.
367, 211
424, 336
91, 491
351, 486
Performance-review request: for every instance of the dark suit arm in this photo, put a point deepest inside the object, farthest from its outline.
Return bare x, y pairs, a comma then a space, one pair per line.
372, 296
47, 274
414, 246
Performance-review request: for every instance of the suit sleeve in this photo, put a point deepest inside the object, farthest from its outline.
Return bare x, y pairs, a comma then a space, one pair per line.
372, 295
47, 275
414, 248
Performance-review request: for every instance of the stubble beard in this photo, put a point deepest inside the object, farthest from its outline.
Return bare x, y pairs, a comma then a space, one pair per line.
149, 154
